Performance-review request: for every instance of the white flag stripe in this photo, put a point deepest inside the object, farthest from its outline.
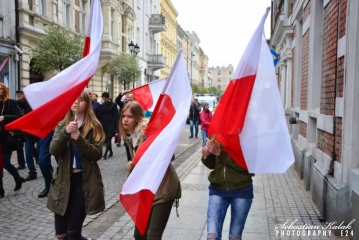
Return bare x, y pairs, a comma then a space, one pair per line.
156, 88
149, 171
247, 66
74, 74
265, 139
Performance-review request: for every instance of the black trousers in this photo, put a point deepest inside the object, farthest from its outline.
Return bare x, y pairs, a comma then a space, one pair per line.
158, 221
71, 222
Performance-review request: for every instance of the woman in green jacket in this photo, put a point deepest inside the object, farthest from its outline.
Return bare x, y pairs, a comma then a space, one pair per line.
229, 185
76, 189
132, 124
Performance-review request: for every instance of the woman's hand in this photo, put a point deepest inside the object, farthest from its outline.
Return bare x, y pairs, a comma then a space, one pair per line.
1, 118
75, 135
213, 148
129, 166
205, 151
72, 127
143, 136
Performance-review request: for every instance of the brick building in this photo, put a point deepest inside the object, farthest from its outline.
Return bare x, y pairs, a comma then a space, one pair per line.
317, 43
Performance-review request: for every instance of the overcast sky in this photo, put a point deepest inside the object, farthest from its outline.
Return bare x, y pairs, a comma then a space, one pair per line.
224, 27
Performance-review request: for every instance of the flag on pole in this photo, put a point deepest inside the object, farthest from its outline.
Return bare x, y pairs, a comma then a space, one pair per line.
254, 132
154, 155
50, 100
148, 94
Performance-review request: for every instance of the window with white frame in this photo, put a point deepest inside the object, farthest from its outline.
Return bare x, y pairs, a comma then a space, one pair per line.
83, 16
42, 6
113, 24
66, 13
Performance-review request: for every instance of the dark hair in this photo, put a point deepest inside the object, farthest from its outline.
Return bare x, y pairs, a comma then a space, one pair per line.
205, 104
105, 94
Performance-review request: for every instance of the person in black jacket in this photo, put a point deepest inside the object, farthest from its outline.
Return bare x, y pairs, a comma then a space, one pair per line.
96, 107
109, 122
194, 111
9, 111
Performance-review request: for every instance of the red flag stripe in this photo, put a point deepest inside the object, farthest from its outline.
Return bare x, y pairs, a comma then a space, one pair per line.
143, 96
233, 103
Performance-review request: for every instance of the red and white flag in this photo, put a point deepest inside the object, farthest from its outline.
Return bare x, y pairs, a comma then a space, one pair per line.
249, 120
154, 155
147, 95
50, 100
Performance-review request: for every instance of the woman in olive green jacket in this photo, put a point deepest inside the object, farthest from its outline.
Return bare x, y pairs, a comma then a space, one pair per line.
132, 124
77, 188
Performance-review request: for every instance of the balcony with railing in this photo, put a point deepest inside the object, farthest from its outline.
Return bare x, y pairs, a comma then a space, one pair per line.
157, 23
156, 62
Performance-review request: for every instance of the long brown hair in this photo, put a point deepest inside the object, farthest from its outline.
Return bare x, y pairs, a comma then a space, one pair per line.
137, 113
6, 92
90, 120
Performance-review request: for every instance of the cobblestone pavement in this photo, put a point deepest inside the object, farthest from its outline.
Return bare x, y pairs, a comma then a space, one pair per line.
24, 216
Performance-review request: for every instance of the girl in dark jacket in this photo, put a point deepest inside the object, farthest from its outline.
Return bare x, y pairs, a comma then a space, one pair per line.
10, 111
132, 125
76, 189
109, 121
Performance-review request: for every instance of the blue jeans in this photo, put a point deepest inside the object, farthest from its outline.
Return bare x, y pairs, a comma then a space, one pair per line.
29, 152
195, 123
45, 159
9, 167
217, 209
204, 137
20, 154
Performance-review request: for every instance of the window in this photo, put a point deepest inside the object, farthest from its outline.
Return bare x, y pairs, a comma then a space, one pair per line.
219, 80
219, 87
224, 72
83, 17
230, 72
4, 76
146, 43
137, 36
66, 14
113, 24
42, 7
219, 72
224, 79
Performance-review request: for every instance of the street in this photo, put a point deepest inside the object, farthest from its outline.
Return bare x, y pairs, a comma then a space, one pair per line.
24, 216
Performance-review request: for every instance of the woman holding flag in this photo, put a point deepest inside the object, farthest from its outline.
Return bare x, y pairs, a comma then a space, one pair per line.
10, 111
77, 188
132, 126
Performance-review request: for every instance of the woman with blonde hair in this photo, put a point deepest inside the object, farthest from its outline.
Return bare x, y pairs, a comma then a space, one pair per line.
132, 125
9, 111
77, 188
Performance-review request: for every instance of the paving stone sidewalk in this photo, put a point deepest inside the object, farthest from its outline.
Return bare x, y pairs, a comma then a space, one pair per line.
279, 198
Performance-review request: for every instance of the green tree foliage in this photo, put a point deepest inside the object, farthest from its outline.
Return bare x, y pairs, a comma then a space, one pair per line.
56, 50
201, 90
126, 68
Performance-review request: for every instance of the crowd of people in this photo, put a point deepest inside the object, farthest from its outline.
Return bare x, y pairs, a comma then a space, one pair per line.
77, 145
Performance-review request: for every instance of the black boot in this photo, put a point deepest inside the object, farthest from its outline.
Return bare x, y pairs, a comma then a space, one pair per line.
43, 194
105, 155
2, 193
18, 184
111, 154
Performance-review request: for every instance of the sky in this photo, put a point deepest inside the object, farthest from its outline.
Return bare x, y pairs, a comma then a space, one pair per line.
223, 26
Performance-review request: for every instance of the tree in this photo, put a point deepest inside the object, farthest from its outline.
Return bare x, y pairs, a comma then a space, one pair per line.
56, 50
126, 68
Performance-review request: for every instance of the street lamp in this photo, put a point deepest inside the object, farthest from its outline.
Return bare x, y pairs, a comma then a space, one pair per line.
134, 48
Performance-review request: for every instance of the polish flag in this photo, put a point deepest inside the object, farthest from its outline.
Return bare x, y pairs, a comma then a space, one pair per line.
148, 94
50, 100
254, 132
154, 155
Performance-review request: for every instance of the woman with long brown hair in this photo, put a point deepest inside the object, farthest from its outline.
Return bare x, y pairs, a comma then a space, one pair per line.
77, 188
9, 111
132, 125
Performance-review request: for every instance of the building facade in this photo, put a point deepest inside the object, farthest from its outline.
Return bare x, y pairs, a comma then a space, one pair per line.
9, 57
148, 24
221, 77
317, 42
169, 37
203, 69
36, 15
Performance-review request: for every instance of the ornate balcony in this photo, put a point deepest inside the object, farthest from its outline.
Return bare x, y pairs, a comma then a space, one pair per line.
157, 23
156, 62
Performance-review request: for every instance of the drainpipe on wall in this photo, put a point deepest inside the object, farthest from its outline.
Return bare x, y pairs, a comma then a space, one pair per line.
17, 35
